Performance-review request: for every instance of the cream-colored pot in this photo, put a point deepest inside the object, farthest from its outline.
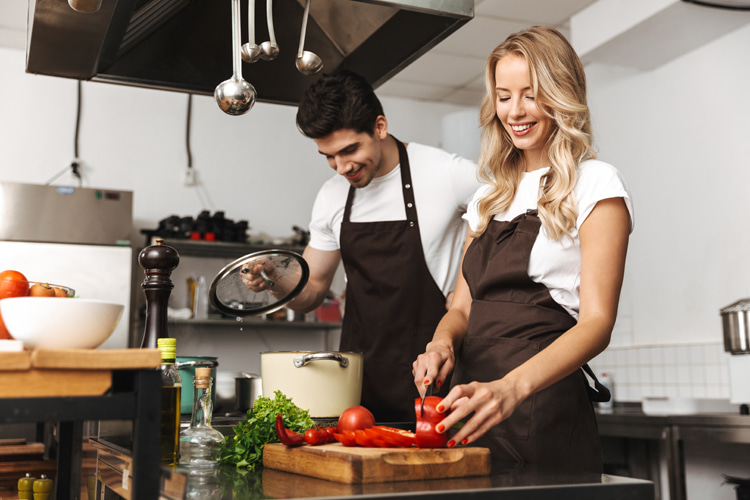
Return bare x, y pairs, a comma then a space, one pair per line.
324, 383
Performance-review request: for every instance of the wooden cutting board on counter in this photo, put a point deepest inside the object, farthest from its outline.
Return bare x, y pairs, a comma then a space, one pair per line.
350, 464
68, 372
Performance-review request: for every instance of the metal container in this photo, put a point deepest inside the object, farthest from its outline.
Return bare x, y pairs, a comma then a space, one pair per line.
736, 324
324, 383
247, 388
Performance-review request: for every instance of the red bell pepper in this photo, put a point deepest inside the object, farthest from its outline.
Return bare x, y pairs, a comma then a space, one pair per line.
287, 436
346, 438
394, 437
427, 435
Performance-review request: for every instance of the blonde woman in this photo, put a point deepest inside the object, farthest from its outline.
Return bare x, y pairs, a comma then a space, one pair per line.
542, 268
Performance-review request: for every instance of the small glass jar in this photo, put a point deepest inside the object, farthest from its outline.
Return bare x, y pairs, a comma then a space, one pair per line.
200, 444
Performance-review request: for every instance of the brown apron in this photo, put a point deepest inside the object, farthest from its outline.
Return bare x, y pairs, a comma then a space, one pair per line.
512, 318
392, 303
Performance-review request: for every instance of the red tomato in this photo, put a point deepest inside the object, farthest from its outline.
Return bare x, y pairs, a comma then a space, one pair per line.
12, 284
312, 437
354, 418
427, 436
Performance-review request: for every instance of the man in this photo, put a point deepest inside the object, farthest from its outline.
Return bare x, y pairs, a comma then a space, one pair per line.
393, 215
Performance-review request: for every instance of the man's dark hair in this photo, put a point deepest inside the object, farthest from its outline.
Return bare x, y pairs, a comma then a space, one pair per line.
343, 100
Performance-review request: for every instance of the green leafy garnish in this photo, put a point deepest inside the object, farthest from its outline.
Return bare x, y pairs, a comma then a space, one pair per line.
245, 448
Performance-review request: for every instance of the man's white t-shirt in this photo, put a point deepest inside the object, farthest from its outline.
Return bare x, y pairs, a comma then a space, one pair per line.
443, 184
557, 263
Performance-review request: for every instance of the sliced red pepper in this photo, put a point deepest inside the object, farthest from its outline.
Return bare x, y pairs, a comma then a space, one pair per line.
362, 439
395, 437
427, 436
346, 438
287, 436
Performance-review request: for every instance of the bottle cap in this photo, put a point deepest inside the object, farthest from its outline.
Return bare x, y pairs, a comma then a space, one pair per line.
168, 348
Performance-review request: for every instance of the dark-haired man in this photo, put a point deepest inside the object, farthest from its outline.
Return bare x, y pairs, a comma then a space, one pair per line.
393, 215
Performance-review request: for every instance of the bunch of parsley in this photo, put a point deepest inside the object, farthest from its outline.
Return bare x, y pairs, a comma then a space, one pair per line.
245, 448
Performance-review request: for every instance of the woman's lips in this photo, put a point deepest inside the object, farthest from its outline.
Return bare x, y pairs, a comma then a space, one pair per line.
519, 130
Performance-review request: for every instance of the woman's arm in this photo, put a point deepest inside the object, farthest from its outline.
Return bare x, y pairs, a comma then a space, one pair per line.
438, 360
604, 240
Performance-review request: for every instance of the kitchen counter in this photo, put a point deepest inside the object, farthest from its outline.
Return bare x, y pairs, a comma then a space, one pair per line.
665, 435
506, 481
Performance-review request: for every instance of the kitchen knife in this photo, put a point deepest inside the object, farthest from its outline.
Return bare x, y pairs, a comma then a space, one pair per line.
427, 392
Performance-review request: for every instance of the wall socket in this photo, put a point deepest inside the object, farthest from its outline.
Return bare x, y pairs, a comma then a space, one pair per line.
190, 177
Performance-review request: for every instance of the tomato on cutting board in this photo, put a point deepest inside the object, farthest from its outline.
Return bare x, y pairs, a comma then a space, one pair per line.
427, 435
354, 418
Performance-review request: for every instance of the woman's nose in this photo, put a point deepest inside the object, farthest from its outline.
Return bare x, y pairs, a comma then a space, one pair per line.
517, 108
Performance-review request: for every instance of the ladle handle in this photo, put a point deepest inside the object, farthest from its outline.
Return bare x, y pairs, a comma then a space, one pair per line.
304, 29
269, 18
250, 21
236, 28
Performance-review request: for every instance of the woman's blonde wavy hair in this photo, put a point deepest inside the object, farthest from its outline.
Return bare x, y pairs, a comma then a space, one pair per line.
559, 87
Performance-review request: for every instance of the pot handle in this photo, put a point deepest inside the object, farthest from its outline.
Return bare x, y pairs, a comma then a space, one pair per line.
301, 361
189, 364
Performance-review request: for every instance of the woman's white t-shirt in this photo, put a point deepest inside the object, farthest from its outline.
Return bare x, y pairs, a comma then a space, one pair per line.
557, 263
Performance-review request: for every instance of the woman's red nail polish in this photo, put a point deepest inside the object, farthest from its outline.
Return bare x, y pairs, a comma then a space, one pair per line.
440, 408
464, 441
426, 381
451, 443
439, 383
440, 427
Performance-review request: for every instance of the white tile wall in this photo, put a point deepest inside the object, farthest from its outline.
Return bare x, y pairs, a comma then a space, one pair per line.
697, 370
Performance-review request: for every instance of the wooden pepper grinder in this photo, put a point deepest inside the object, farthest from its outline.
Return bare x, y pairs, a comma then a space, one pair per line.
158, 261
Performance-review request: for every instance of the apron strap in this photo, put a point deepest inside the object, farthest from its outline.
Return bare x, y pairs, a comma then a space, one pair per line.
598, 393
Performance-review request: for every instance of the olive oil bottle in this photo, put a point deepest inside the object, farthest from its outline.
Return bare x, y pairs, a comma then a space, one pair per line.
171, 386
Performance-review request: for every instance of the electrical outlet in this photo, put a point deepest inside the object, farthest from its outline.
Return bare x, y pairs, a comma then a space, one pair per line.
190, 177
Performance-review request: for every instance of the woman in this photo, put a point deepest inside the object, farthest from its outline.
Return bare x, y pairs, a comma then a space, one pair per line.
542, 269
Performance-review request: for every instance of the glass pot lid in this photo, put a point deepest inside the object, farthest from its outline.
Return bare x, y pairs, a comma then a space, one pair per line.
278, 276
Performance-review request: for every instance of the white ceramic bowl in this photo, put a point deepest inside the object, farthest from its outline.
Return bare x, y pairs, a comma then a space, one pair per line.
60, 323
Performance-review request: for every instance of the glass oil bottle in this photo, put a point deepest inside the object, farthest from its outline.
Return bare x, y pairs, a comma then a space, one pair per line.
200, 444
171, 385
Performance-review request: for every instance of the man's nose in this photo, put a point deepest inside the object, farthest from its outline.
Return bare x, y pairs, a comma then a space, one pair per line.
342, 165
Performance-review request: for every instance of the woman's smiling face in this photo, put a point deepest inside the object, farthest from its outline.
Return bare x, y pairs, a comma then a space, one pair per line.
517, 110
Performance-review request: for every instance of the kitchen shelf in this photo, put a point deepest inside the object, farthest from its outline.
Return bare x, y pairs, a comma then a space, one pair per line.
222, 249
259, 323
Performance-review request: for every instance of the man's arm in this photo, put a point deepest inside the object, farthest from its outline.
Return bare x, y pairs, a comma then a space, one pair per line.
323, 265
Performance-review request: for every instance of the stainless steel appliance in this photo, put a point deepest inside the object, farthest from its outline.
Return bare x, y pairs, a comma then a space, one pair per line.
77, 237
736, 325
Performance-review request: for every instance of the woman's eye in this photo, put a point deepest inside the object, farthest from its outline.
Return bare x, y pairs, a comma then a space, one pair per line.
503, 99
530, 97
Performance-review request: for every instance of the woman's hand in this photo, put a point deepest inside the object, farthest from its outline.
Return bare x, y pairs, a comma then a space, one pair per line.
433, 366
490, 403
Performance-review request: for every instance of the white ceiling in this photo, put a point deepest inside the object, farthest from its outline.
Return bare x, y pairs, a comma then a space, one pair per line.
451, 72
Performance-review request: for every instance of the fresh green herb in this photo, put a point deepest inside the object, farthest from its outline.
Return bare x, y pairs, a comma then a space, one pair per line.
245, 448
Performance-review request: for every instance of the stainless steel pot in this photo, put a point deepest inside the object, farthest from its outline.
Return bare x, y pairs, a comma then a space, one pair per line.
736, 324
324, 383
247, 388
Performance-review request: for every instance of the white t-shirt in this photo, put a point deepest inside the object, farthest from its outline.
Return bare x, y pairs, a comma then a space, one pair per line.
443, 184
557, 263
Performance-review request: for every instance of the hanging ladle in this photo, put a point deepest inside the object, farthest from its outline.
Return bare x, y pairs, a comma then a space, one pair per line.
235, 96
269, 50
308, 63
251, 52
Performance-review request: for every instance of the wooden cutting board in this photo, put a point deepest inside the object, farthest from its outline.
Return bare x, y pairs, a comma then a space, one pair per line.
352, 464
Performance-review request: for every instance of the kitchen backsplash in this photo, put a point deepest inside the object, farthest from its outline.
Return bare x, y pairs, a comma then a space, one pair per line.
691, 371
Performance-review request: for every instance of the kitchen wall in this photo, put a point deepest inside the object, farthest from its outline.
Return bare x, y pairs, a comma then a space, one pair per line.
679, 135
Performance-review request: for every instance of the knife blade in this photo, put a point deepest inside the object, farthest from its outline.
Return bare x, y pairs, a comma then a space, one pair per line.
427, 392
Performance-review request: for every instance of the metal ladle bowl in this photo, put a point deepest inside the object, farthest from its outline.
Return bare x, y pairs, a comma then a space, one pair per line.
269, 50
308, 63
235, 96
251, 52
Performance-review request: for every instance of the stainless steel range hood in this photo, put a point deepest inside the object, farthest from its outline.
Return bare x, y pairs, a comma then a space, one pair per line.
186, 45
